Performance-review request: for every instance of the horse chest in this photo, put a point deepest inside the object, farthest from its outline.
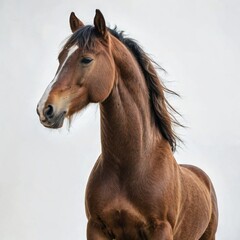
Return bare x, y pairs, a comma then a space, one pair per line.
124, 211
120, 218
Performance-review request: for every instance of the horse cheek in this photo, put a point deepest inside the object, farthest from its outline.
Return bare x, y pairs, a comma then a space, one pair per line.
101, 88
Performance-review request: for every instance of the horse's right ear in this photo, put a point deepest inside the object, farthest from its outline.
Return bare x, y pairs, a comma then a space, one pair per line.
75, 23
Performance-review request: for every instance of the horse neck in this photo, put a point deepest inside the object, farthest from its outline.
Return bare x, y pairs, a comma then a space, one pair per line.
128, 132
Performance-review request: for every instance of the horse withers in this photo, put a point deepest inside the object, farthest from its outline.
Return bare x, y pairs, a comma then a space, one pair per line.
136, 189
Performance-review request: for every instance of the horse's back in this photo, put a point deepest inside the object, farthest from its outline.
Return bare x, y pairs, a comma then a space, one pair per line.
203, 183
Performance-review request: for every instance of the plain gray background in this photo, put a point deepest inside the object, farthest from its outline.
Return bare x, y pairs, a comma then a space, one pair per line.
43, 173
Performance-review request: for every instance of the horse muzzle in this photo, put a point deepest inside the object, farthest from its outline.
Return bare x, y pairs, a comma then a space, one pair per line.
51, 118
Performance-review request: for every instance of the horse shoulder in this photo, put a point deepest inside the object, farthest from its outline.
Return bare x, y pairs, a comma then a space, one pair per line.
199, 173
196, 195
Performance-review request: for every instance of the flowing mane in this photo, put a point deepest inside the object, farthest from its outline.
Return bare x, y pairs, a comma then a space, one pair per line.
162, 111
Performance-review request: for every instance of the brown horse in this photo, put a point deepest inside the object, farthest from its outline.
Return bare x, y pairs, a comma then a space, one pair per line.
136, 189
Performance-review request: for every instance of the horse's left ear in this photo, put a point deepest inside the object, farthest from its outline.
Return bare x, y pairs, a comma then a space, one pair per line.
75, 23
100, 24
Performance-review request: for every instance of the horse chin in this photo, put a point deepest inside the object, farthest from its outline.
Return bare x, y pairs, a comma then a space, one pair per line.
56, 122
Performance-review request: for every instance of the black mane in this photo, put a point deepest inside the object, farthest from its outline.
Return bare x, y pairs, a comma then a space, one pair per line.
162, 111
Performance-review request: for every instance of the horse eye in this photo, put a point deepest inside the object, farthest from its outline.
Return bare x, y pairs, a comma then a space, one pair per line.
86, 60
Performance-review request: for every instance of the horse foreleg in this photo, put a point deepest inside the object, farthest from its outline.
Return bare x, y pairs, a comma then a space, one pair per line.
94, 232
162, 231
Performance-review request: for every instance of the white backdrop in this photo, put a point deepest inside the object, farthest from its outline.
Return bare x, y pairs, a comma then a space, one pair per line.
43, 173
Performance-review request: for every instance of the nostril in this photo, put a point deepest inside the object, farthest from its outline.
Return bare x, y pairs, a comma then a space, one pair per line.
48, 112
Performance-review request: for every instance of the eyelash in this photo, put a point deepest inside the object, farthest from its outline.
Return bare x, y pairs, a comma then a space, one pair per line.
86, 60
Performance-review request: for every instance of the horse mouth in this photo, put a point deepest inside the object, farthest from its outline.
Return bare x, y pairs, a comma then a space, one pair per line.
55, 122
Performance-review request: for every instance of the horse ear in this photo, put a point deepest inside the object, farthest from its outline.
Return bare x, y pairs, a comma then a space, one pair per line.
75, 23
100, 24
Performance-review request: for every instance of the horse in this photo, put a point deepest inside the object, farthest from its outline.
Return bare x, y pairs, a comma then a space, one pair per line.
136, 189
